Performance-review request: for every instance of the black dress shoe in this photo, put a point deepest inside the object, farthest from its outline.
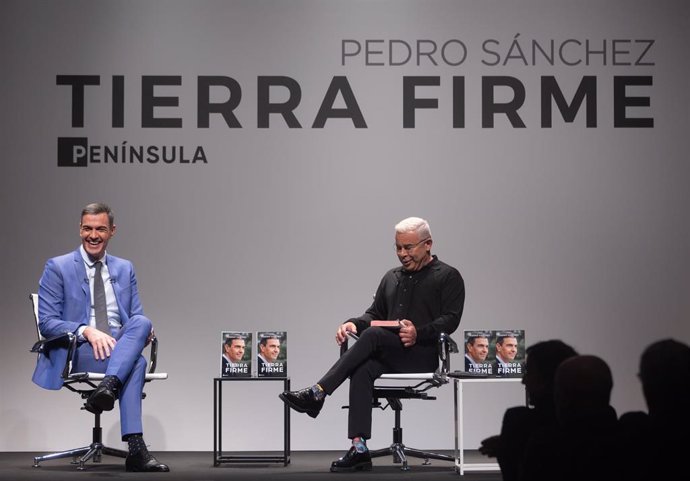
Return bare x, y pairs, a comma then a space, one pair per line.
303, 401
352, 461
144, 462
102, 399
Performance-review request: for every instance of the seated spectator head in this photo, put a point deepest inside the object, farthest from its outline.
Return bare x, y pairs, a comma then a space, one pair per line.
665, 376
543, 358
582, 388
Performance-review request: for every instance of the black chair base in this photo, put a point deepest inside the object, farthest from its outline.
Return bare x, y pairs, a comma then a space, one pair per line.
400, 453
93, 451
398, 450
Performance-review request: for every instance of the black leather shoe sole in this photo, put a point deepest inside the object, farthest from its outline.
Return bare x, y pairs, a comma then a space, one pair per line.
311, 412
363, 466
157, 468
352, 461
148, 465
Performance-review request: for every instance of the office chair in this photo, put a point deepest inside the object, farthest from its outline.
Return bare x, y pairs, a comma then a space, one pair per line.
394, 394
84, 383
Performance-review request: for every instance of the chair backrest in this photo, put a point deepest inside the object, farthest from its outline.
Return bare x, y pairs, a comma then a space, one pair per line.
446, 346
34, 303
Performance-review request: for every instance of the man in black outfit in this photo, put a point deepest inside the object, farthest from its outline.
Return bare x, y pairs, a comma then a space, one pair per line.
427, 296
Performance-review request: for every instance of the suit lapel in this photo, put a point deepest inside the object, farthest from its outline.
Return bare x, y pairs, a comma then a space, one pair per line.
80, 273
83, 281
114, 274
114, 270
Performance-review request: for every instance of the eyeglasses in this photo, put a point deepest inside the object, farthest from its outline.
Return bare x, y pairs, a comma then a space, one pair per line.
409, 247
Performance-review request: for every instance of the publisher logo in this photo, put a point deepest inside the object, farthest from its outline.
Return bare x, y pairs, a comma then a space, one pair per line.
72, 151
77, 152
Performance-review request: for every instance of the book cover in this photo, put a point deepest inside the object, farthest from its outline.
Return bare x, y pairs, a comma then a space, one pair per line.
477, 352
236, 354
271, 354
387, 324
508, 352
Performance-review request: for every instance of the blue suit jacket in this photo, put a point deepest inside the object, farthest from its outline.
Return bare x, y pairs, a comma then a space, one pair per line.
64, 302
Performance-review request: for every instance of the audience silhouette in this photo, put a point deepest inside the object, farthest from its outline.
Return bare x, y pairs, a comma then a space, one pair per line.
520, 422
571, 432
584, 442
655, 443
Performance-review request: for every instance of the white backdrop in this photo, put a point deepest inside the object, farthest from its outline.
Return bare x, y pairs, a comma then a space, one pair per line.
571, 232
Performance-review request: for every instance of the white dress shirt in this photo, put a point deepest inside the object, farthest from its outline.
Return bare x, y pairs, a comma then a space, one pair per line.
110, 301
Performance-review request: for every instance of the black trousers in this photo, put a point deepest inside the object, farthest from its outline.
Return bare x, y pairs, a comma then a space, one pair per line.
378, 351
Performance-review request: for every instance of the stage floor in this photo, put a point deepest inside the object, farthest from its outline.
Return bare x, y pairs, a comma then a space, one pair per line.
198, 466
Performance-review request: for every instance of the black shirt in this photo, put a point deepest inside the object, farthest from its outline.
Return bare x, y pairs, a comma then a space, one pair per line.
432, 298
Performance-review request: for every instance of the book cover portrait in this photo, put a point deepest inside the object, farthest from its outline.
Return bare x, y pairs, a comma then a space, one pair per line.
271, 355
236, 354
477, 352
509, 352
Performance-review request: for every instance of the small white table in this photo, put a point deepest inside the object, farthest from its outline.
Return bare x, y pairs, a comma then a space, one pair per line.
460, 465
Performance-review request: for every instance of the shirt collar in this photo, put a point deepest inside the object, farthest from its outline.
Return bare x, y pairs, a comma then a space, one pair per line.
432, 263
88, 261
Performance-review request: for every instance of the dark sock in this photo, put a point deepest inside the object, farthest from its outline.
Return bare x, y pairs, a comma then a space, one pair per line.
136, 444
113, 383
318, 392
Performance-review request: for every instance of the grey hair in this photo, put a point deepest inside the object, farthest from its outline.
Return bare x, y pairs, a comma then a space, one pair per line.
96, 208
414, 224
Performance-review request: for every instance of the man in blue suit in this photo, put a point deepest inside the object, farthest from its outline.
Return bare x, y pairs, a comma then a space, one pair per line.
109, 320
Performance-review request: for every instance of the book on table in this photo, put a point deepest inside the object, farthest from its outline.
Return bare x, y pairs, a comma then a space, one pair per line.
509, 352
271, 354
236, 354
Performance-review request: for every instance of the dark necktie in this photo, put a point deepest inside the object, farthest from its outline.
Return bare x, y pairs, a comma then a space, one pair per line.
99, 306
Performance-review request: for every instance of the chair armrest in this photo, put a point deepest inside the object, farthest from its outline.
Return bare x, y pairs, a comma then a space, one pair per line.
40, 346
68, 338
446, 346
71, 340
153, 357
343, 346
